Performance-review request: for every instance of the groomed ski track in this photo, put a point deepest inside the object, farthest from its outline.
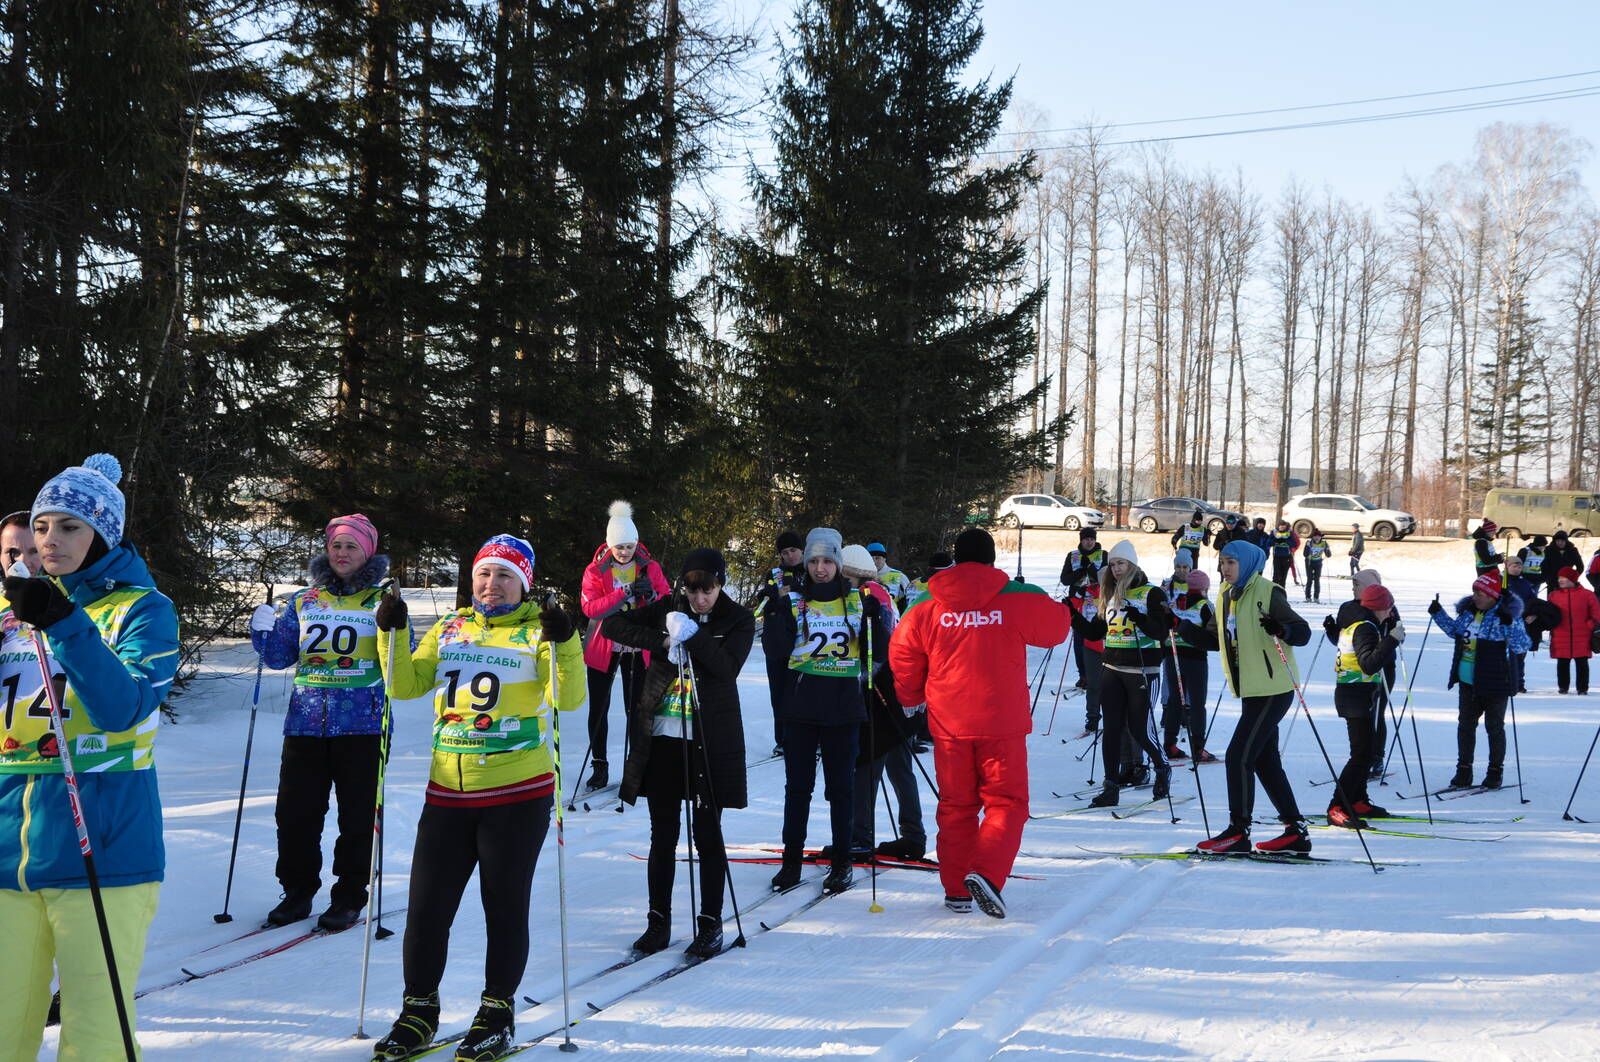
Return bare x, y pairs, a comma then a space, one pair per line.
1476, 951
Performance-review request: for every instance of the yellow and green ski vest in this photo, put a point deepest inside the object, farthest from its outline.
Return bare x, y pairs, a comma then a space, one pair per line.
29, 745
1121, 631
1346, 668
827, 638
338, 639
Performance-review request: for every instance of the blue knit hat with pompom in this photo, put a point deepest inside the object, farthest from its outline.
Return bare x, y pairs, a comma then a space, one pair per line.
89, 492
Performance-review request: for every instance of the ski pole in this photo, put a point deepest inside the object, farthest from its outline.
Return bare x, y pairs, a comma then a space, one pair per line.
1315, 656
1061, 681
1194, 761
1516, 749
1149, 727
688, 782
1411, 681
1388, 702
1304, 707
377, 818
1093, 745
1049, 654
567, 1046
872, 735
238, 816
1215, 708
75, 799
1566, 814
716, 808
572, 801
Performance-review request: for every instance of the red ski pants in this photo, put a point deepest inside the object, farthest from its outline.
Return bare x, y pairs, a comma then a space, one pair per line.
987, 776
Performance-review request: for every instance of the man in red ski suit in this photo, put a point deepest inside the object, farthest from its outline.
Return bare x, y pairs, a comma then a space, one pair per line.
963, 651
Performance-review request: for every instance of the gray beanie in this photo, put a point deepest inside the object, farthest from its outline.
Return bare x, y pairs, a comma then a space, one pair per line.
824, 542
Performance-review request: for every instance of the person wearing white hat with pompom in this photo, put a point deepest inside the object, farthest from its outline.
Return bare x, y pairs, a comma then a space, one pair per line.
621, 576
114, 639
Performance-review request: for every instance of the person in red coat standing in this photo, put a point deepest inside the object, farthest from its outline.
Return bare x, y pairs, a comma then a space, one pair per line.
1570, 642
963, 651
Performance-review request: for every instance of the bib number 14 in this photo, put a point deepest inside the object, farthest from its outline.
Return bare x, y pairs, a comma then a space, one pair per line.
38, 708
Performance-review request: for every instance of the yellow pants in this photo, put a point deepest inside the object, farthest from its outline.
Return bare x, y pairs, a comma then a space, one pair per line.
57, 927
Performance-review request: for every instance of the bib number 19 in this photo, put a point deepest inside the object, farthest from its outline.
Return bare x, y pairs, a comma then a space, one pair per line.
484, 688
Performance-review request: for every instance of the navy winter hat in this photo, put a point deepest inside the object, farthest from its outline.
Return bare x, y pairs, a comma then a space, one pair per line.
89, 492
974, 545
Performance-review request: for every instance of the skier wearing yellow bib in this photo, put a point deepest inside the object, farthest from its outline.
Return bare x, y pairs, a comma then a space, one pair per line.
114, 640
491, 785
332, 732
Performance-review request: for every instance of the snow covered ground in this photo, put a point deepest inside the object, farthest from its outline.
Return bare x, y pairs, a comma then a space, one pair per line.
1465, 950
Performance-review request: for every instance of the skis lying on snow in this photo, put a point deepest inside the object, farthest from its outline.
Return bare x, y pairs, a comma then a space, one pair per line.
1380, 778
196, 971
815, 856
1438, 820
1238, 857
1454, 792
1082, 793
1323, 825
683, 963
1140, 809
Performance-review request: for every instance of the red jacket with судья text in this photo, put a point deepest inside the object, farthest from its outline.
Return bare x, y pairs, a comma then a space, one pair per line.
964, 651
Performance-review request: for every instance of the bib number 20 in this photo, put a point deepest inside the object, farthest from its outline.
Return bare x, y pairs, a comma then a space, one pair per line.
340, 639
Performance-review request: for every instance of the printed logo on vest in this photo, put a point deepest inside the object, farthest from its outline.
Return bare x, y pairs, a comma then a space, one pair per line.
89, 744
483, 722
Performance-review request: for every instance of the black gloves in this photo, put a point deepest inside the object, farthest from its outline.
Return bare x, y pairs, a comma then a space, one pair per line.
1434, 608
391, 613
1272, 626
1331, 627
871, 607
37, 602
1504, 611
641, 590
554, 624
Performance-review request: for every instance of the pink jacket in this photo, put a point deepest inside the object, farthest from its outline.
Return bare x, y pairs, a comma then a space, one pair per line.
599, 598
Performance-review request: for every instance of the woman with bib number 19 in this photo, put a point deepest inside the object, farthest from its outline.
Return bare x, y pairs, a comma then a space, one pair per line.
491, 785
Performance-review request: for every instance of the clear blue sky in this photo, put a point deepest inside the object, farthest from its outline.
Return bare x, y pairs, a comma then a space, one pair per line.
1161, 59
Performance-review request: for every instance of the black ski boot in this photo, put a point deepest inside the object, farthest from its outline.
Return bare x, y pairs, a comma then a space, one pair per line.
902, 849
296, 907
839, 878
1494, 778
599, 778
1108, 798
1163, 784
1462, 778
707, 938
338, 918
788, 876
493, 1032
412, 1031
657, 934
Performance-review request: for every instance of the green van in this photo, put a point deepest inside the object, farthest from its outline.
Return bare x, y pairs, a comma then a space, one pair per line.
1543, 512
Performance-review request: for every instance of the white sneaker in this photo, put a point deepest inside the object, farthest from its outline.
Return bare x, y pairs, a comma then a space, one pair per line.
959, 904
985, 895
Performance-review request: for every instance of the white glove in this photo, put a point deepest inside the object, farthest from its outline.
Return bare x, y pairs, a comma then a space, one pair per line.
677, 654
264, 618
1090, 610
681, 627
1398, 633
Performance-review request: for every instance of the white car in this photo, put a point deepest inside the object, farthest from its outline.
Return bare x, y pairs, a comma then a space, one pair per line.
1335, 513
1047, 510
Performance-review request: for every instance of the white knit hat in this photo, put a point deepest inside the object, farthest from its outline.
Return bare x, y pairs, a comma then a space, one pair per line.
857, 563
620, 530
1123, 551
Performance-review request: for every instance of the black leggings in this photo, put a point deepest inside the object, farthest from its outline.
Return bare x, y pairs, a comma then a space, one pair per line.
1564, 673
1253, 755
1194, 672
1470, 707
632, 667
1353, 779
1313, 580
1125, 701
664, 792
503, 844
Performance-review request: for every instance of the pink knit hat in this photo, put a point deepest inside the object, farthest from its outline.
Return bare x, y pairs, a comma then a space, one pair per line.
357, 527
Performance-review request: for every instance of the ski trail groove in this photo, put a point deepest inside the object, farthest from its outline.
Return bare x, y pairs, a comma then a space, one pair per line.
1070, 958
956, 1004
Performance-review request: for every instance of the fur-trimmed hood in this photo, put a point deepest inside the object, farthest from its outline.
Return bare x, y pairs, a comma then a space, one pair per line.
370, 574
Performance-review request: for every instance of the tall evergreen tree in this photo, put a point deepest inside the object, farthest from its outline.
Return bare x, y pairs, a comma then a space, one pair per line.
880, 303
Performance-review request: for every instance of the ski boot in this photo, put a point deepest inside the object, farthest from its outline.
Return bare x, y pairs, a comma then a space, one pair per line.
1205, 757
657, 934
338, 918
1174, 753
985, 895
839, 878
1368, 810
412, 1031
296, 907
1163, 783
1339, 815
1108, 798
599, 778
1294, 840
1462, 778
707, 938
788, 876
492, 1035
1233, 840
1494, 778
905, 849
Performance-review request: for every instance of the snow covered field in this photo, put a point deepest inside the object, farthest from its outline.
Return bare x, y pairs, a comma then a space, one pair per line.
1466, 950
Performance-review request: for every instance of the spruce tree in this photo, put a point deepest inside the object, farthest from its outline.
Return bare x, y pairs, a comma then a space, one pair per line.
880, 304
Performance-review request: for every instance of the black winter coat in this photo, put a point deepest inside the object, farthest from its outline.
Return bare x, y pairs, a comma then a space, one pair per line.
1557, 557
822, 700
1375, 652
1155, 622
718, 652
